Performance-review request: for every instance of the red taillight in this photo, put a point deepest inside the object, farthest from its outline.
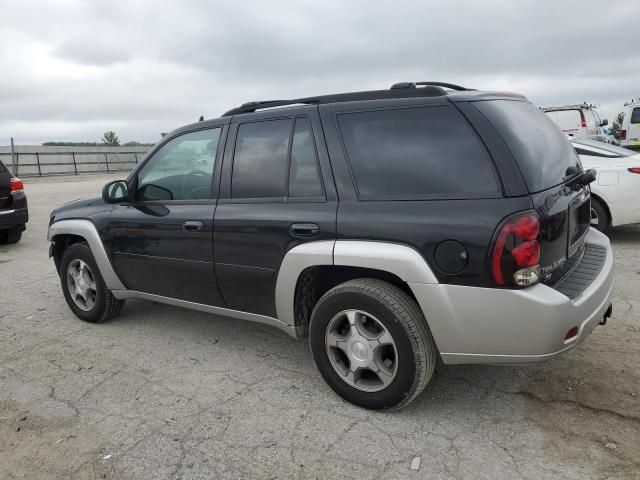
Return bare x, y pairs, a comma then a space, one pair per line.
583, 120
527, 254
16, 185
623, 134
527, 227
571, 333
516, 253
634, 169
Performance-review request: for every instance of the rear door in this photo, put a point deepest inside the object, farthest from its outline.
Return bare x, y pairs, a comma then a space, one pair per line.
276, 193
546, 160
569, 122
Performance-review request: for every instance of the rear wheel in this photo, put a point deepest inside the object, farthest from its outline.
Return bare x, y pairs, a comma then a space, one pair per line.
83, 286
599, 216
11, 236
371, 344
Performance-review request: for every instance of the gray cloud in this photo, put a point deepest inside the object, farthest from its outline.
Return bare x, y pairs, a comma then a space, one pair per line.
72, 69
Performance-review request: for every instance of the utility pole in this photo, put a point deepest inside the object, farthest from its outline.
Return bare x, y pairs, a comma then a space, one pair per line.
13, 158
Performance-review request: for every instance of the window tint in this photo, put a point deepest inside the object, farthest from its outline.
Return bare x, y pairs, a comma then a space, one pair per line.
541, 150
182, 169
2, 168
635, 115
304, 179
261, 159
404, 153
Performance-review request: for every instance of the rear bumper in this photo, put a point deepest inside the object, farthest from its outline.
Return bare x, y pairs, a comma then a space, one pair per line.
487, 325
13, 218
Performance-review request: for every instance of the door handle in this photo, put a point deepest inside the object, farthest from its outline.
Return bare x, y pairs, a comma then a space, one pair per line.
192, 226
304, 229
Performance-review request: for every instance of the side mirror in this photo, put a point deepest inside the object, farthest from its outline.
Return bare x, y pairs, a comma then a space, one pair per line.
605, 122
115, 192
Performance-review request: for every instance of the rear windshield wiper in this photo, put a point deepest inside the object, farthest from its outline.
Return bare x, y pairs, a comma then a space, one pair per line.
579, 178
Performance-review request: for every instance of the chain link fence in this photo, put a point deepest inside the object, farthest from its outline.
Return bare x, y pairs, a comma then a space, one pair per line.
41, 161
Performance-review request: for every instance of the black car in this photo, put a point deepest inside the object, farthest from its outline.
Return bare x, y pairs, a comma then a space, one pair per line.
390, 227
14, 214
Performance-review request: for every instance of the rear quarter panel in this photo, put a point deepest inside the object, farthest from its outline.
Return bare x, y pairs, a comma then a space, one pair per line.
422, 224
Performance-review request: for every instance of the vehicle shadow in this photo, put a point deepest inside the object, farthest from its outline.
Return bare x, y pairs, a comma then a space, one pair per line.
626, 234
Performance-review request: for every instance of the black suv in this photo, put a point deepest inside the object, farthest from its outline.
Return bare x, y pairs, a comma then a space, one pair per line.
13, 207
391, 227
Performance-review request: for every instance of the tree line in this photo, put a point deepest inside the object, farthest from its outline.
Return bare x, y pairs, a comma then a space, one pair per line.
109, 139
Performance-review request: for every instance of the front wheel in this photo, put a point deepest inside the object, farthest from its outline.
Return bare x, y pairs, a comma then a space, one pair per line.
372, 344
83, 286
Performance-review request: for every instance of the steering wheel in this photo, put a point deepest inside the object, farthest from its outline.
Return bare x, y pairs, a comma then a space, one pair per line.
201, 189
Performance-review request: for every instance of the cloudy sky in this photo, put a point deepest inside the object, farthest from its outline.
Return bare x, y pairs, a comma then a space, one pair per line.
71, 69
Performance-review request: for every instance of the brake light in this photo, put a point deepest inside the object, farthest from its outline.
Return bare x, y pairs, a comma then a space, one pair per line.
16, 185
516, 253
583, 120
634, 169
623, 134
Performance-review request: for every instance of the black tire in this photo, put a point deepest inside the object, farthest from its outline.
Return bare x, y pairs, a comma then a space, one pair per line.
106, 305
400, 315
11, 236
599, 216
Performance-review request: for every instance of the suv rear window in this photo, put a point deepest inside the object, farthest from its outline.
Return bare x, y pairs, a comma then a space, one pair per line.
411, 153
541, 150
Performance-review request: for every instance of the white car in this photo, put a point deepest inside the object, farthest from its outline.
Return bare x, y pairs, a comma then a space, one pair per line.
615, 195
578, 121
630, 128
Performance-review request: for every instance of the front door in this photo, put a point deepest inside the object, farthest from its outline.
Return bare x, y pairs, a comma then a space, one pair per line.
161, 241
274, 196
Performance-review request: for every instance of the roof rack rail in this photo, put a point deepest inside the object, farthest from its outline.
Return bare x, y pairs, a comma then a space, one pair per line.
430, 89
253, 106
572, 106
450, 86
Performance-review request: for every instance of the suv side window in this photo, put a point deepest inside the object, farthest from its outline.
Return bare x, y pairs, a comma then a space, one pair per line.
182, 169
275, 159
418, 152
260, 159
635, 115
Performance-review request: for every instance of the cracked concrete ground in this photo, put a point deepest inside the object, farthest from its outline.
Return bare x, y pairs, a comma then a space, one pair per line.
161, 392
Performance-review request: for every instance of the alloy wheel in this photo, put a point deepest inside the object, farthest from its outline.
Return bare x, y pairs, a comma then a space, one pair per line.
361, 350
81, 284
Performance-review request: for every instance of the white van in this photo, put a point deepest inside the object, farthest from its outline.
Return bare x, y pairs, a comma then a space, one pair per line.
630, 129
578, 121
